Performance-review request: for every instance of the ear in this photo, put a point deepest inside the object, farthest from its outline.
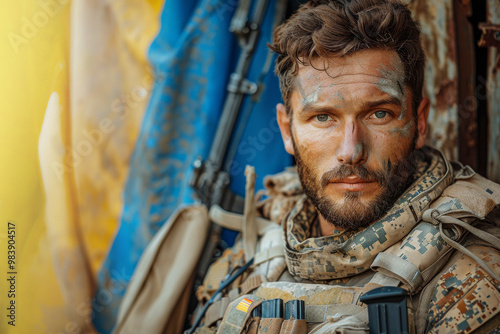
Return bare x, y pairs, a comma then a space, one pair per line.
284, 124
422, 115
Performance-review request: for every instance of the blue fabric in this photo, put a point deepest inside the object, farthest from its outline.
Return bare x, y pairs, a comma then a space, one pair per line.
192, 56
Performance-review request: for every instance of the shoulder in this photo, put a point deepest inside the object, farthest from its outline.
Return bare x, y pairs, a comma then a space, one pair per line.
465, 295
475, 193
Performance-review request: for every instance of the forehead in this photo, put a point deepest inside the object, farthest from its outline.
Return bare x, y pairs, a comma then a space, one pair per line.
377, 67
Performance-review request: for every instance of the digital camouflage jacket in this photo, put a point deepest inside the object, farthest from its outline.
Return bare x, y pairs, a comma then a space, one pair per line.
439, 241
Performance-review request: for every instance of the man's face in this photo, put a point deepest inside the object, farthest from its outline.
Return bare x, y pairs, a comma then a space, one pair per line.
351, 130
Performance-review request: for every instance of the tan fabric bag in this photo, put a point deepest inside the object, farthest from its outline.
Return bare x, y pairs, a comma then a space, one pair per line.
155, 301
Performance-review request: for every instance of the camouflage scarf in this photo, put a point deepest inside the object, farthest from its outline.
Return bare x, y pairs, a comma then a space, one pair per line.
347, 254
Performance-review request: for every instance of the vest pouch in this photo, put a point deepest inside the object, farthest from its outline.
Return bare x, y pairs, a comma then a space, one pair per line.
295, 318
272, 316
253, 324
294, 326
270, 325
156, 300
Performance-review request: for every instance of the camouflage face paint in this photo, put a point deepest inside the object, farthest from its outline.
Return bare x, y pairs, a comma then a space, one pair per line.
387, 165
308, 99
357, 152
405, 131
336, 96
392, 83
301, 88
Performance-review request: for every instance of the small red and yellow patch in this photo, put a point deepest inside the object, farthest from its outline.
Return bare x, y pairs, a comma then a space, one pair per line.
244, 305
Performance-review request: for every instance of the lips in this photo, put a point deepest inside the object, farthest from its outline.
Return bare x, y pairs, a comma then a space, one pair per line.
352, 183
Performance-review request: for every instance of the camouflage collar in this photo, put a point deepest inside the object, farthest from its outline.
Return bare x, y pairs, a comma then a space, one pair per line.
349, 253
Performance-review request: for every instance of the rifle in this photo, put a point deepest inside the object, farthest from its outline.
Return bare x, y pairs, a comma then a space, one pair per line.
210, 179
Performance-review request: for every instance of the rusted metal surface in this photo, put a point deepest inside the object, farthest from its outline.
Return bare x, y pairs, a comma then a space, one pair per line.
441, 82
467, 104
491, 35
493, 96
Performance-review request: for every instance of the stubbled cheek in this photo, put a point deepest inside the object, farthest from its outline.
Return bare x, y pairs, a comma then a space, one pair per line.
384, 162
387, 165
383, 151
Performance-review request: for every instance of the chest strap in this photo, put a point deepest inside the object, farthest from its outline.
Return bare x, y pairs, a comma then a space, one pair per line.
251, 284
268, 254
234, 221
398, 269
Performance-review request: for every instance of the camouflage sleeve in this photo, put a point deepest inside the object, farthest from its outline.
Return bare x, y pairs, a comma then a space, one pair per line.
465, 298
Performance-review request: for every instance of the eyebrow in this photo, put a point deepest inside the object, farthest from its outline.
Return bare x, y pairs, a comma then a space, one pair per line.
310, 108
373, 104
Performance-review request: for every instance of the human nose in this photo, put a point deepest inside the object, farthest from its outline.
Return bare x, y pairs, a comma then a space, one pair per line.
352, 149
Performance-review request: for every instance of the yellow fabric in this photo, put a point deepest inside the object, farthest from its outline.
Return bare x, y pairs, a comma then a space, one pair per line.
90, 59
34, 64
110, 85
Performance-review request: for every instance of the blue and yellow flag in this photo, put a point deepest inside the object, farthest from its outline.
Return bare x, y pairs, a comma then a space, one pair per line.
192, 58
106, 106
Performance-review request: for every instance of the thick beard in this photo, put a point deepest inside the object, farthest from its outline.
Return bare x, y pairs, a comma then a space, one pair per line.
354, 213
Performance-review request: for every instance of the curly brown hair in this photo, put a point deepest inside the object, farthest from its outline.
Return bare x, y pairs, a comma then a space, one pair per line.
336, 28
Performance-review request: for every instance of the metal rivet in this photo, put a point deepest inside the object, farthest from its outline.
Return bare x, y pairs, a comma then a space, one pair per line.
497, 35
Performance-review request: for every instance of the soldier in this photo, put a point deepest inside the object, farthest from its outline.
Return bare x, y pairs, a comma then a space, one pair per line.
369, 204
379, 207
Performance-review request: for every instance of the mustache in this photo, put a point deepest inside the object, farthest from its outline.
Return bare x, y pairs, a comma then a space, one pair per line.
343, 171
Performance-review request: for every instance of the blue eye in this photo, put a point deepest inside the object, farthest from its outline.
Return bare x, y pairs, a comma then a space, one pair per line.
380, 114
323, 118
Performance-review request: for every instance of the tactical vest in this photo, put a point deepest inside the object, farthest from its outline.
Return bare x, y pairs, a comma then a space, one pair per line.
407, 247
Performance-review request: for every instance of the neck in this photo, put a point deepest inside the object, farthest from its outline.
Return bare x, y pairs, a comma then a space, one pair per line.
326, 227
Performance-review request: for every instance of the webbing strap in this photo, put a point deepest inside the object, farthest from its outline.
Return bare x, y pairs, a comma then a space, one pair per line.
269, 254
249, 233
216, 311
491, 239
396, 267
251, 284
234, 221
383, 280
